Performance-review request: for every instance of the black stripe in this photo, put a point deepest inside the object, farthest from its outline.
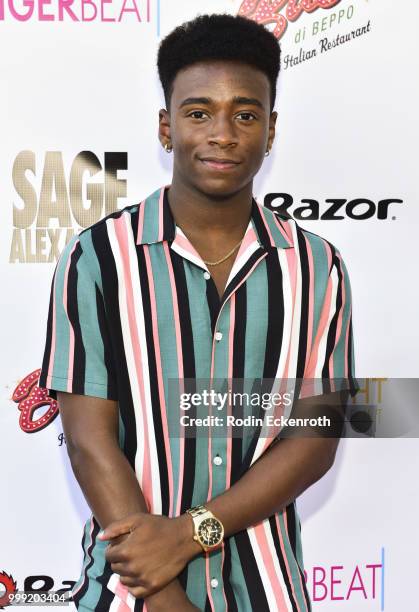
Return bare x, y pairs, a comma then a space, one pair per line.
275, 328
169, 226
243, 272
228, 589
110, 296
276, 539
189, 372
153, 380
291, 524
239, 345
331, 336
79, 366
214, 302
250, 568
112, 391
48, 341
259, 223
305, 292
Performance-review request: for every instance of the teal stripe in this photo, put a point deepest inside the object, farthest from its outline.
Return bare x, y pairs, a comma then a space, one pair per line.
91, 257
257, 310
96, 373
195, 588
238, 581
320, 278
168, 350
94, 590
202, 340
62, 326
292, 561
151, 218
339, 352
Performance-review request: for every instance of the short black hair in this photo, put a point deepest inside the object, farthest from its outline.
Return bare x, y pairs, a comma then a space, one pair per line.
218, 37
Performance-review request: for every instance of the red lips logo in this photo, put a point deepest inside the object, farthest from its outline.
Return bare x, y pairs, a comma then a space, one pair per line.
6, 580
29, 397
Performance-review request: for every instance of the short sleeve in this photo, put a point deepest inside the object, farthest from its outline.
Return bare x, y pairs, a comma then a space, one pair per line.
331, 363
77, 355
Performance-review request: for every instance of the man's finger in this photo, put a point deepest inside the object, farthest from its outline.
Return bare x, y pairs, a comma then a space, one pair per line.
118, 528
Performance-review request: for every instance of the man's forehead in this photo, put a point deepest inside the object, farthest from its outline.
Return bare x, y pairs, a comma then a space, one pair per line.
202, 79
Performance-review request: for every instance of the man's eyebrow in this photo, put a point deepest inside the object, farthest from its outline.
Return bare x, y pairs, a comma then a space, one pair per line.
236, 100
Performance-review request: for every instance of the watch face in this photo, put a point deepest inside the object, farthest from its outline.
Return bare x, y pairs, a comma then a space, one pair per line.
210, 532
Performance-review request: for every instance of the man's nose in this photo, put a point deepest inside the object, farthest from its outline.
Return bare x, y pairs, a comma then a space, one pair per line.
222, 131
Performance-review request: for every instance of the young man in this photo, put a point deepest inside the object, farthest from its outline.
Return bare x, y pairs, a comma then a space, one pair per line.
198, 281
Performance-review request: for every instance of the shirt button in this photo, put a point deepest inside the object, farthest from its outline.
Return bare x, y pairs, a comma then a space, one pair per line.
207, 275
218, 336
214, 583
217, 460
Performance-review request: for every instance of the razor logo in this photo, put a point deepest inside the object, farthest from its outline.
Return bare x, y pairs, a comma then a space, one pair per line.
358, 209
267, 11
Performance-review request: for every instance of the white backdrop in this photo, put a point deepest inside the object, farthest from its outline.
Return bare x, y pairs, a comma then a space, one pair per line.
347, 129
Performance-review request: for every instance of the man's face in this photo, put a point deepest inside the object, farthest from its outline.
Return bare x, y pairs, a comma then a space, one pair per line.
218, 110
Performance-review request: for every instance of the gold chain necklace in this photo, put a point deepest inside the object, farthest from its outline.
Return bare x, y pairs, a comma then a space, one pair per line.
215, 263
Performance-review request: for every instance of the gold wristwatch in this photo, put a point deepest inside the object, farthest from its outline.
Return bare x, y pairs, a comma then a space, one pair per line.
209, 531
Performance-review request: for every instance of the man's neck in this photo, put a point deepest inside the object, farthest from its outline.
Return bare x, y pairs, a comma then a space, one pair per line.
216, 218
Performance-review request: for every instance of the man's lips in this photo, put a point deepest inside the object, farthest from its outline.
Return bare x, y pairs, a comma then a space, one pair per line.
219, 164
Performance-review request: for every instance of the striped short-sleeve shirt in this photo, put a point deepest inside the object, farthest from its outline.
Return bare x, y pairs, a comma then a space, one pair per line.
133, 306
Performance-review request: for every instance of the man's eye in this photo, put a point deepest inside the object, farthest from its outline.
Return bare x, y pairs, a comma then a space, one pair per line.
247, 115
196, 113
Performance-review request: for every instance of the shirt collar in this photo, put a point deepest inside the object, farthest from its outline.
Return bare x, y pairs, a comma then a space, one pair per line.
156, 222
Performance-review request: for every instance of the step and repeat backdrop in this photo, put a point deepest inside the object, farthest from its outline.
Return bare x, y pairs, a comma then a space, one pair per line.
79, 116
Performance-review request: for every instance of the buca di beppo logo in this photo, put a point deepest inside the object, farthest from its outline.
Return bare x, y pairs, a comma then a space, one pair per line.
29, 398
268, 11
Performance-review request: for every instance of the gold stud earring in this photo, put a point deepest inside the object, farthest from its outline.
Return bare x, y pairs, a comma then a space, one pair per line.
267, 152
168, 148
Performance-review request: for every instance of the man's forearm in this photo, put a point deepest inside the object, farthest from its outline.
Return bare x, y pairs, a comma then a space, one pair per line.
108, 482
113, 492
274, 481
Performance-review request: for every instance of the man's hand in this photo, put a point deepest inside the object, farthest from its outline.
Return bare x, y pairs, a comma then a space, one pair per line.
154, 551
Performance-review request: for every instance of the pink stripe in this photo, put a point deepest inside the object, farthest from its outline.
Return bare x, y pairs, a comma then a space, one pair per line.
122, 237
346, 372
310, 325
292, 275
311, 367
161, 213
284, 556
121, 591
284, 514
187, 246
140, 229
176, 317
269, 566
222, 566
229, 377
87, 559
71, 332
249, 238
207, 571
163, 408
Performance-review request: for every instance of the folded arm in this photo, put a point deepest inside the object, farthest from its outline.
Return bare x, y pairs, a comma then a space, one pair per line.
105, 475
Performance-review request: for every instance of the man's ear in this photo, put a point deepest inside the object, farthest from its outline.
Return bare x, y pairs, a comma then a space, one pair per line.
272, 122
164, 126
